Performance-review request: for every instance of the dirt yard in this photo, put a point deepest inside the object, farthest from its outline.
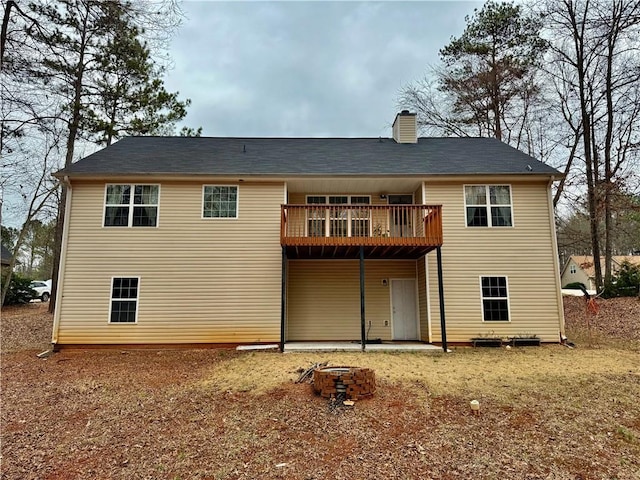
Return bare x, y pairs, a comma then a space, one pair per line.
546, 413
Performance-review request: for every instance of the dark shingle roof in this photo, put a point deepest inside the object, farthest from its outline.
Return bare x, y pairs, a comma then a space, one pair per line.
5, 255
306, 156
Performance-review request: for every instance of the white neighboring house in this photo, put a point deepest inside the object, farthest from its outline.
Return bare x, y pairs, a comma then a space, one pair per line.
580, 268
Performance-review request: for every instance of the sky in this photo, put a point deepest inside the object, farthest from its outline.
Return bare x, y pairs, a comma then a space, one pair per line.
305, 69
299, 68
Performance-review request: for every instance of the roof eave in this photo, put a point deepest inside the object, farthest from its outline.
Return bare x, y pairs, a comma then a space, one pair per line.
102, 175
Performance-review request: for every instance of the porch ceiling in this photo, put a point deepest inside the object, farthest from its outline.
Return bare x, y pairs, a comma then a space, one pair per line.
356, 185
389, 252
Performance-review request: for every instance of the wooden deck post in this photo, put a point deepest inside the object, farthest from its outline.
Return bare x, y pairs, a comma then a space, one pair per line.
363, 334
283, 300
443, 325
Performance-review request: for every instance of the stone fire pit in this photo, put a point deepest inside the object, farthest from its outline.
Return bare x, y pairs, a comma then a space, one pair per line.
352, 383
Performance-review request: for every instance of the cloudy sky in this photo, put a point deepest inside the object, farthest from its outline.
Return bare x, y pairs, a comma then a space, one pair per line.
300, 69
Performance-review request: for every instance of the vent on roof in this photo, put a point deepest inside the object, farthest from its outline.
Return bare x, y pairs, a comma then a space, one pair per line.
405, 128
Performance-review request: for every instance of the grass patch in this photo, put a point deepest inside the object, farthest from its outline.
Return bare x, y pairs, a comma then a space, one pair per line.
626, 435
500, 373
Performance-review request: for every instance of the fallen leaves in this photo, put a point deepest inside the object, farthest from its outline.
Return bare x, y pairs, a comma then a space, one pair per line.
546, 412
618, 320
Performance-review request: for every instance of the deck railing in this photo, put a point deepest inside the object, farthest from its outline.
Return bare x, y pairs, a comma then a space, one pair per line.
351, 224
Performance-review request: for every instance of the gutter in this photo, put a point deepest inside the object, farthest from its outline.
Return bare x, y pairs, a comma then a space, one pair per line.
63, 262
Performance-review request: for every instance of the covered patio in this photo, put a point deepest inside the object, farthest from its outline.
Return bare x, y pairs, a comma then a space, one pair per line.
347, 232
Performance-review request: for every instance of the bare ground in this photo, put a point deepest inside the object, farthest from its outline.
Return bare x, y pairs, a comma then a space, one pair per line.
546, 413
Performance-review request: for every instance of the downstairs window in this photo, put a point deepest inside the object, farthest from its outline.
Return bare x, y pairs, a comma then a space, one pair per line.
124, 300
495, 299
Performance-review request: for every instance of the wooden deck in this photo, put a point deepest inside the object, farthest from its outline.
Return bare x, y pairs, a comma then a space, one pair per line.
338, 231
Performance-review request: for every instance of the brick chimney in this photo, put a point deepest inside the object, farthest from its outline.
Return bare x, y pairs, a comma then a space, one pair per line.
405, 129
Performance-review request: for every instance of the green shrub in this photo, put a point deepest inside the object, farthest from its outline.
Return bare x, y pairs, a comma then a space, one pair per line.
20, 291
626, 283
628, 276
575, 286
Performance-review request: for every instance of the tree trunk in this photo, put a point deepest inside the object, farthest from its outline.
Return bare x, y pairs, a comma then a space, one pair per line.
74, 125
611, 43
3, 32
496, 98
578, 39
57, 248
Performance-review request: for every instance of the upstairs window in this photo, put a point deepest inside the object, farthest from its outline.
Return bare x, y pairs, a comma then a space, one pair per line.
488, 205
124, 300
131, 206
573, 269
495, 299
220, 201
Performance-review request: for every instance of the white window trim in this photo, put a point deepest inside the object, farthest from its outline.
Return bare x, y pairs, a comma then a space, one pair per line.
413, 200
202, 217
327, 220
131, 205
111, 299
572, 269
488, 205
508, 298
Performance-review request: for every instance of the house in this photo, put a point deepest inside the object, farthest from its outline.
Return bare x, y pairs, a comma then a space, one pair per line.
581, 269
5, 256
257, 240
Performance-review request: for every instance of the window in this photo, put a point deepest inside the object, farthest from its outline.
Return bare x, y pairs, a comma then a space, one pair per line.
124, 300
488, 205
338, 217
495, 299
220, 201
572, 269
330, 220
360, 217
316, 216
131, 206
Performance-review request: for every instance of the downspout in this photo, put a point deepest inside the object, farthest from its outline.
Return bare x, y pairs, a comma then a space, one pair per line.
556, 266
63, 261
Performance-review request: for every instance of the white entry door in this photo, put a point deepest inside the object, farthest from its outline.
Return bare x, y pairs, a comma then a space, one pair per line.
403, 309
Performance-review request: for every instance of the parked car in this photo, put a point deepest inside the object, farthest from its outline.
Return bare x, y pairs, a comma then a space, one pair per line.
43, 291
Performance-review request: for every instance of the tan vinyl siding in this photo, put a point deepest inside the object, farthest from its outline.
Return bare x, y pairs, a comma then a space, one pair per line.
407, 130
471, 252
404, 129
422, 299
201, 280
324, 298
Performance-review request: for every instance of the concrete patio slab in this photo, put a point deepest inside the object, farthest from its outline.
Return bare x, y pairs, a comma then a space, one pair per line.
357, 347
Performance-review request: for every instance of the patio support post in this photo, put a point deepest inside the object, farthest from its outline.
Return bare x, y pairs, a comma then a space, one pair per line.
443, 325
284, 297
363, 334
